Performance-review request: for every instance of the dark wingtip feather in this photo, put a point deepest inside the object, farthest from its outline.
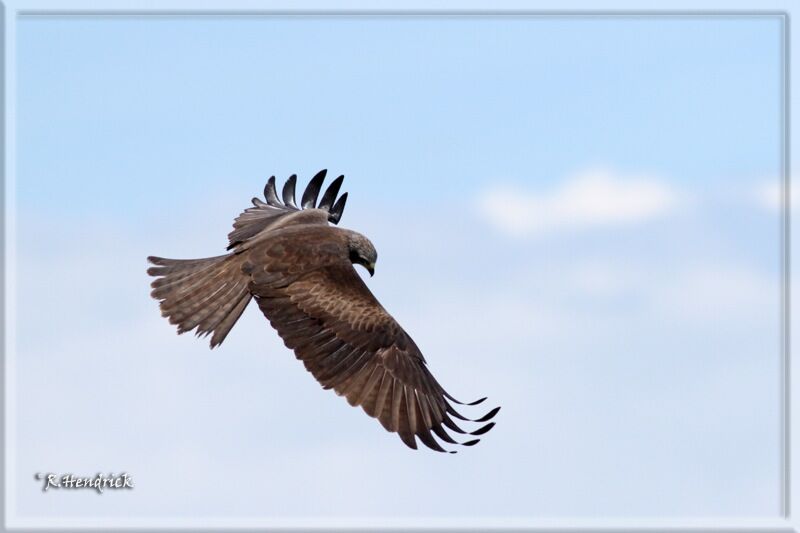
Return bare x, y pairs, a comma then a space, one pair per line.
476, 402
442, 434
338, 208
271, 193
155, 260
450, 409
452, 425
288, 191
471, 442
428, 440
484, 429
488, 416
309, 200
408, 440
330, 193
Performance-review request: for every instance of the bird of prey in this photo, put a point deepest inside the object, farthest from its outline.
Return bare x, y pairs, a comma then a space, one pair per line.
300, 270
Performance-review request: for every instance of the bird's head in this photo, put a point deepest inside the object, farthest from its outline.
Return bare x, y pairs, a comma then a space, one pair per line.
362, 252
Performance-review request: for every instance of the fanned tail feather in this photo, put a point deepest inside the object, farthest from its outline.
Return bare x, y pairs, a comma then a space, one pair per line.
208, 294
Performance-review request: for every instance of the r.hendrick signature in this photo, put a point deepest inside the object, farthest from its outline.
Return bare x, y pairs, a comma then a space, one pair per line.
98, 482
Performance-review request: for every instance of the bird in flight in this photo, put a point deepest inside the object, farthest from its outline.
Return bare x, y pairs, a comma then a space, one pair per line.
300, 270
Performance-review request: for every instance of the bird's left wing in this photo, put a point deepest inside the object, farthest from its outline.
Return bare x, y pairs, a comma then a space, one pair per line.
264, 214
348, 341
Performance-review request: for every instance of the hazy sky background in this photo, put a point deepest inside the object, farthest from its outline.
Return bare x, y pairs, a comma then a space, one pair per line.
574, 216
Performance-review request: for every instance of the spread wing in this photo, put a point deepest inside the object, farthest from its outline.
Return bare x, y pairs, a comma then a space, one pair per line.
263, 214
348, 341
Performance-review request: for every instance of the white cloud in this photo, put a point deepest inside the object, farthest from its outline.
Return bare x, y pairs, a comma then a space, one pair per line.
589, 199
768, 196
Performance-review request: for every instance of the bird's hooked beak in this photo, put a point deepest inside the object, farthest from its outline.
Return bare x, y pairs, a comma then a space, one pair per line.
371, 269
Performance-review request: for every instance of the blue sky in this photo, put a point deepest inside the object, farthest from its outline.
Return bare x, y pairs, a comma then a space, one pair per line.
572, 215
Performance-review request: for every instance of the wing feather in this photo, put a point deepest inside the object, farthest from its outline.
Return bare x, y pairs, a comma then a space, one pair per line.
369, 393
311, 294
383, 403
265, 215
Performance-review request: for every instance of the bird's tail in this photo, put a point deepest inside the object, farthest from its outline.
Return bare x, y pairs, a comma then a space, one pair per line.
208, 294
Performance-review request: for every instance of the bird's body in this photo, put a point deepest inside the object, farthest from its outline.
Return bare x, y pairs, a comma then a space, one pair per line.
300, 271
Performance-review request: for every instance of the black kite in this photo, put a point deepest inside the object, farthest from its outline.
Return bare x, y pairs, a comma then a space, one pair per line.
300, 271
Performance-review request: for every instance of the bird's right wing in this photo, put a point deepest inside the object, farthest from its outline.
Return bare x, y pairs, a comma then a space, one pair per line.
262, 215
348, 341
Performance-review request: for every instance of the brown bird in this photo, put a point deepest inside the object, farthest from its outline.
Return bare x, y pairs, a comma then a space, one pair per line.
300, 270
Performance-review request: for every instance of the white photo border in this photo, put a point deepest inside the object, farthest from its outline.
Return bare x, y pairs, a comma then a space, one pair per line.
12, 11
